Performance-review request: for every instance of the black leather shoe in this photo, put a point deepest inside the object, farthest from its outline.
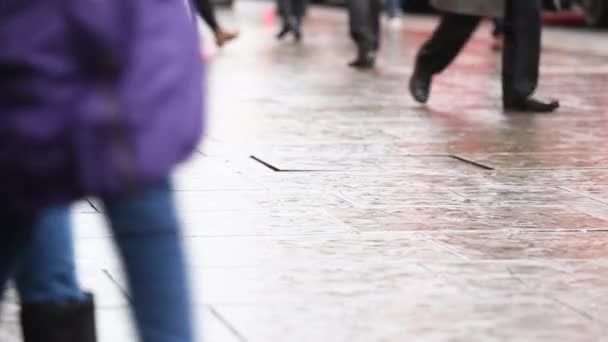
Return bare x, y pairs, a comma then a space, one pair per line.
59, 322
284, 31
530, 105
420, 86
364, 60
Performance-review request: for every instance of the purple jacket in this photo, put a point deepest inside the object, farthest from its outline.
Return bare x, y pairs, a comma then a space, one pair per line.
96, 97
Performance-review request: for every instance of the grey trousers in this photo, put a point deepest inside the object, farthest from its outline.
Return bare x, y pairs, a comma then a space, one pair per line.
364, 20
292, 10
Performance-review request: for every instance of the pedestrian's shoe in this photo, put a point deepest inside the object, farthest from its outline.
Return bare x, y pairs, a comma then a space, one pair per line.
222, 37
420, 86
530, 105
365, 60
59, 322
284, 31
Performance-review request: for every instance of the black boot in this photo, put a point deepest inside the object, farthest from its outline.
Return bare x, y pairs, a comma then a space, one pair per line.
420, 86
530, 105
365, 59
284, 31
59, 322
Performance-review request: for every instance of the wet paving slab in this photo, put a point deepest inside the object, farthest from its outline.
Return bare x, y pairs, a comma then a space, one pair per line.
326, 205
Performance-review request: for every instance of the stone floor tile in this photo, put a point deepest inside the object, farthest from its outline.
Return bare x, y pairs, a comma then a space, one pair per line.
522, 195
456, 218
384, 198
591, 245
208, 201
283, 284
90, 225
523, 217
294, 250
117, 325
260, 223
462, 318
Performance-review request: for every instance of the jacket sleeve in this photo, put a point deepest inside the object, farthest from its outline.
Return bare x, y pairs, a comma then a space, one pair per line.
102, 34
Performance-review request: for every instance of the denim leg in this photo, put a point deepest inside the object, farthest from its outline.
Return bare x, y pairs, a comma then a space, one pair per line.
47, 272
147, 233
14, 236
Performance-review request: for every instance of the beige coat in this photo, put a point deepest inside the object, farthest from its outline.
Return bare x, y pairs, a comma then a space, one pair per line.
484, 8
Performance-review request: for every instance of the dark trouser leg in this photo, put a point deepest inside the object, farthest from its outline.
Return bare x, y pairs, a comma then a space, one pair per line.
300, 9
446, 43
438, 52
364, 29
284, 7
15, 235
206, 11
499, 27
375, 12
521, 56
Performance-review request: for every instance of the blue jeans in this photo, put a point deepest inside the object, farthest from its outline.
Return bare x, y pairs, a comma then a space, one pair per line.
146, 232
46, 271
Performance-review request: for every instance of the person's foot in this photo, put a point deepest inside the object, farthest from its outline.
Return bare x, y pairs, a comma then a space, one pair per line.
364, 60
420, 86
222, 37
531, 105
284, 31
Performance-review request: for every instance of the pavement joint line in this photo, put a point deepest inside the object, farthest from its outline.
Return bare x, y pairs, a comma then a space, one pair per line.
267, 165
94, 206
573, 309
519, 230
515, 276
278, 170
114, 281
226, 323
446, 248
338, 221
471, 162
463, 197
507, 169
582, 194
347, 200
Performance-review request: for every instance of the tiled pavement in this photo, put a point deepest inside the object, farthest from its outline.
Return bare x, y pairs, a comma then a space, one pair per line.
325, 205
